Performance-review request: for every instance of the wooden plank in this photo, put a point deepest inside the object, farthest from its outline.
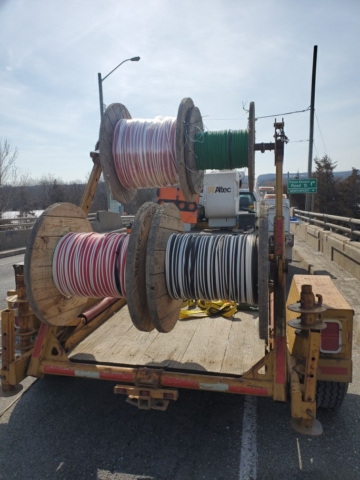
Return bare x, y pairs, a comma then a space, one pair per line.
208, 346
99, 343
168, 350
244, 348
129, 347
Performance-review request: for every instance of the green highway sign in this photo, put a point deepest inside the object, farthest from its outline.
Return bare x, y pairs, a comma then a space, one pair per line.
302, 185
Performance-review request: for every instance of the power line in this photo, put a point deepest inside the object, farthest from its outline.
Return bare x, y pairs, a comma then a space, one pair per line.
322, 138
317, 153
283, 114
258, 118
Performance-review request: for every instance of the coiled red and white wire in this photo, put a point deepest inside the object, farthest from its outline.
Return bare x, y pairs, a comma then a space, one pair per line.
212, 267
91, 265
144, 152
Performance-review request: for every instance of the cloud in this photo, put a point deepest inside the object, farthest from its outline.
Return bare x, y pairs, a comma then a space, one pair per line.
220, 53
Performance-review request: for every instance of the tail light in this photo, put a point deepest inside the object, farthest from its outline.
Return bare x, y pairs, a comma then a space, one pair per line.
331, 341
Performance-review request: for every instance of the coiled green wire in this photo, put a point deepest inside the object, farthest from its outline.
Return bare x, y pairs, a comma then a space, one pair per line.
224, 150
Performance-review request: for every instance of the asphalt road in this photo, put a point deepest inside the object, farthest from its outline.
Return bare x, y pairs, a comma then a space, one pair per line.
66, 428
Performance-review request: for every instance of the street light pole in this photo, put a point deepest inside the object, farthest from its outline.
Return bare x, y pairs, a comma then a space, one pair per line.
101, 100
100, 81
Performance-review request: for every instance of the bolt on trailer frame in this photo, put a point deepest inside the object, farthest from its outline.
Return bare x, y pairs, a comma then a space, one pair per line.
281, 372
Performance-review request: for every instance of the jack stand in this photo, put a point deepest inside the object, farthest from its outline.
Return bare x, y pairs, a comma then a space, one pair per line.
308, 327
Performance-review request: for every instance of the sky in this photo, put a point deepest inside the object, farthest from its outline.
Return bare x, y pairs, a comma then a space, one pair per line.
222, 54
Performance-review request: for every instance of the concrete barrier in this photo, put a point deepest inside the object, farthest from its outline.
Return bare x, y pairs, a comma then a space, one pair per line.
338, 248
101, 222
12, 239
104, 221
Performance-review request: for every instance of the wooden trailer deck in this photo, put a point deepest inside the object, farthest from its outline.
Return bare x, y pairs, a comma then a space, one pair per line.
216, 344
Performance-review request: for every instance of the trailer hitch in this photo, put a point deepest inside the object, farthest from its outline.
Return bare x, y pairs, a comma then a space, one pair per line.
146, 393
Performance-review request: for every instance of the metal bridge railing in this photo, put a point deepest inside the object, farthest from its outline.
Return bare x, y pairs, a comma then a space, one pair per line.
349, 226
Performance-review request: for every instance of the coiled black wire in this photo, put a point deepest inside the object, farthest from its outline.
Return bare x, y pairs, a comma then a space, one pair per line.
212, 267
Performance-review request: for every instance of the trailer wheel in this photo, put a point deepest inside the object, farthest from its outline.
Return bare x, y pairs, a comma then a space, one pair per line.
330, 395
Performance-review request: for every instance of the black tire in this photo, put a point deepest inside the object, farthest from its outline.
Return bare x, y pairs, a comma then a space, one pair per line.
330, 395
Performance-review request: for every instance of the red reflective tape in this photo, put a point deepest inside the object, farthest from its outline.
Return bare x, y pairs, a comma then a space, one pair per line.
280, 346
55, 370
179, 382
39, 341
124, 377
334, 370
248, 390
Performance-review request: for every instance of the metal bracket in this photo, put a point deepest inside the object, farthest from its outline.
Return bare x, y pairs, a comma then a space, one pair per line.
147, 398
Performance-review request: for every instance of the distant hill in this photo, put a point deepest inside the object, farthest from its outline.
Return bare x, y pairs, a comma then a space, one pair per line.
270, 177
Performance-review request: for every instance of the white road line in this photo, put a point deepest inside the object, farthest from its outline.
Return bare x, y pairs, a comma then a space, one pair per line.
299, 454
248, 456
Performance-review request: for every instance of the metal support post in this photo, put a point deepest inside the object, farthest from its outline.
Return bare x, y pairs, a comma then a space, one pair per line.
280, 365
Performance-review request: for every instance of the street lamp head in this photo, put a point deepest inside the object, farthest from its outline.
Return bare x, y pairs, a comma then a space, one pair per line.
135, 59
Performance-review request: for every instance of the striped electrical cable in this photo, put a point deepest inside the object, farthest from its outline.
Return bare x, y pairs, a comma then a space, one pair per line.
91, 265
212, 267
144, 152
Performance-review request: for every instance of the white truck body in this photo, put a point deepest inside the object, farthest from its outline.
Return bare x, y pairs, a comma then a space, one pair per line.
221, 202
220, 198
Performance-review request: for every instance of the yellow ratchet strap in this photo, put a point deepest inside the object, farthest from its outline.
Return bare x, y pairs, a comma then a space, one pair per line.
207, 309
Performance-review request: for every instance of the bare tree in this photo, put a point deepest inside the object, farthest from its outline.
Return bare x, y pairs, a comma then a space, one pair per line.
8, 173
8, 156
52, 190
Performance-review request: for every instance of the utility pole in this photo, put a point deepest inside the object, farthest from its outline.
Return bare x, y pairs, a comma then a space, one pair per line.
309, 204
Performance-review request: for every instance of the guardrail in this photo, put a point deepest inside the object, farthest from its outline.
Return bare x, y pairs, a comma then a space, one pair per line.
326, 222
18, 223
25, 223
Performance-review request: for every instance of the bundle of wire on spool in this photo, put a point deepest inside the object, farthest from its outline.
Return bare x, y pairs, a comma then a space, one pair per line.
196, 266
227, 149
66, 264
139, 153
224, 150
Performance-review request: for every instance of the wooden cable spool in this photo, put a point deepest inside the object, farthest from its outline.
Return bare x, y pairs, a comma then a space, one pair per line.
48, 304
191, 179
164, 311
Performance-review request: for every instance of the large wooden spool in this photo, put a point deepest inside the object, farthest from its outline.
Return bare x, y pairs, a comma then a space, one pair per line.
48, 304
188, 122
164, 311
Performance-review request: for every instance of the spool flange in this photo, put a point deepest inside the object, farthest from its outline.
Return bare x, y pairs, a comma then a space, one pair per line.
164, 311
48, 304
135, 273
193, 125
113, 113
